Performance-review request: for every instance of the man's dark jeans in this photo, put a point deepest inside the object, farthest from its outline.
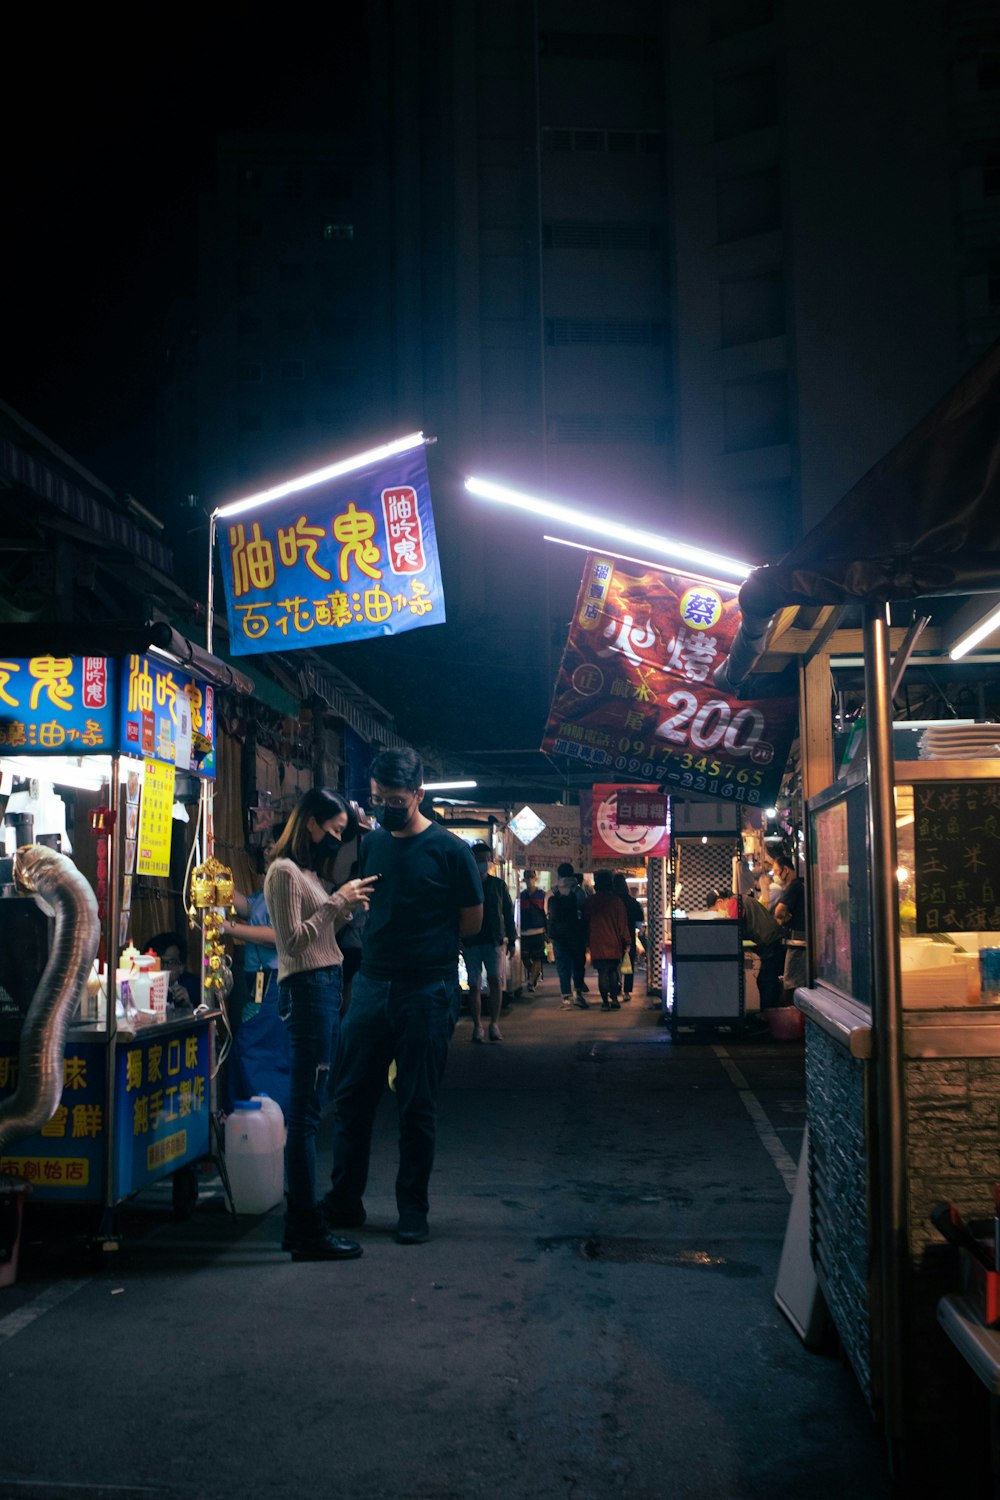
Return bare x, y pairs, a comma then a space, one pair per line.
411, 1020
309, 1004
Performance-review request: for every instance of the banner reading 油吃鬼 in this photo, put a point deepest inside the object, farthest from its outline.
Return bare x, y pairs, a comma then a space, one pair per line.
634, 693
341, 560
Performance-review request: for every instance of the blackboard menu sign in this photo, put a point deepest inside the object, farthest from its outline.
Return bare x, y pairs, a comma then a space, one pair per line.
956, 839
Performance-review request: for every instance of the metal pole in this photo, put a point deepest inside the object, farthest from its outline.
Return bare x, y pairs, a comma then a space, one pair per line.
115, 848
890, 1204
210, 594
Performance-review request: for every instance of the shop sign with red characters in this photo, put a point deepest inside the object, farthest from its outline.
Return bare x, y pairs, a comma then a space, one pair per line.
630, 822
635, 694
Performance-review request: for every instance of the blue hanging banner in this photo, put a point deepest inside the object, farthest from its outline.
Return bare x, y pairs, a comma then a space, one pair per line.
58, 704
339, 560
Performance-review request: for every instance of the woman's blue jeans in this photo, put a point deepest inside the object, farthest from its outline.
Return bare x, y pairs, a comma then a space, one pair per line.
309, 1004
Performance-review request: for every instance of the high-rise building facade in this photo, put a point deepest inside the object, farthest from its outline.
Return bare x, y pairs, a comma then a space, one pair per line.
697, 264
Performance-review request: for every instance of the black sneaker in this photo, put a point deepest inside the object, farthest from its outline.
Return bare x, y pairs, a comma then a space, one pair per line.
581, 1003
605, 1005
342, 1216
615, 1005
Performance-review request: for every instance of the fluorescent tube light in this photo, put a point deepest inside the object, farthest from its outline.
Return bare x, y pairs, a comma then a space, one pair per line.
643, 562
320, 476
649, 541
978, 633
447, 786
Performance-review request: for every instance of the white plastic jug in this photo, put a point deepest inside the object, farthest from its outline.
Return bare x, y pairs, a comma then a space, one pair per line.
254, 1159
271, 1110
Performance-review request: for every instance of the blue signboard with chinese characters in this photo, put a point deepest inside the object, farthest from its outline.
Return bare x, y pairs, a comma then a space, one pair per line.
64, 1161
161, 1109
161, 1103
58, 705
167, 716
339, 560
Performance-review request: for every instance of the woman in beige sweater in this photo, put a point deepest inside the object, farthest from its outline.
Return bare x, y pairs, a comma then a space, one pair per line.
305, 917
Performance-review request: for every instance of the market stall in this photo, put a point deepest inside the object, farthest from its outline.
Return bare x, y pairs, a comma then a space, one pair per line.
902, 1053
89, 751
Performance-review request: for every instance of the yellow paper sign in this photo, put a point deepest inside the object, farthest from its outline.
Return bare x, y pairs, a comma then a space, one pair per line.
155, 819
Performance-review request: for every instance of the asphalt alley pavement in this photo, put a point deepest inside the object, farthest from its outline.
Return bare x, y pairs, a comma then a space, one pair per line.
593, 1315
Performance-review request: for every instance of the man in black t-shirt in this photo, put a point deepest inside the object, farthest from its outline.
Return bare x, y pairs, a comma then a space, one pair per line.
404, 1002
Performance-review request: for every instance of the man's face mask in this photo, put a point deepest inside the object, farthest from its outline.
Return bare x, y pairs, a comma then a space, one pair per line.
482, 865
393, 819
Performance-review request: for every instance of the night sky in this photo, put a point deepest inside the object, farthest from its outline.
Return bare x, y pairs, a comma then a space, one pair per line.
110, 117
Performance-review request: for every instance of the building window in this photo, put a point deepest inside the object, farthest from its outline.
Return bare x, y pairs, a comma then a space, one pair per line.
293, 369
335, 182
331, 325
756, 412
615, 142
732, 17
249, 325
993, 285
248, 278
752, 307
745, 102
988, 71
582, 427
623, 332
748, 205
334, 377
251, 372
338, 231
572, 234
597, 46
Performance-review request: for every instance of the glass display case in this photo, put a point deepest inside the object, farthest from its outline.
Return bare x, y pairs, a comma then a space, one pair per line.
839, 892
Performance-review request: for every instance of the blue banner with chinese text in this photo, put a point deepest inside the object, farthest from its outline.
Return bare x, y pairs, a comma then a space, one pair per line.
64, 704
342, 560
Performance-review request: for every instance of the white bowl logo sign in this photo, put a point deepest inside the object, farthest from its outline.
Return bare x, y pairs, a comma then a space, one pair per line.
634, 841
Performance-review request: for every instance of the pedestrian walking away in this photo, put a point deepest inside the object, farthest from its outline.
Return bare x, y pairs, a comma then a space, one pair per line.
484, 951
564, 914
635, 916
305, 916
607, 937
531, 920
427, 896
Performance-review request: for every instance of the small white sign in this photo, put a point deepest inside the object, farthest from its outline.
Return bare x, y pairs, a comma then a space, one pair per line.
526, 825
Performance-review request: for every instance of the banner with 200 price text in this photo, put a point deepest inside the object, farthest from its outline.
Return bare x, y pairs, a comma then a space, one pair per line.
634, 693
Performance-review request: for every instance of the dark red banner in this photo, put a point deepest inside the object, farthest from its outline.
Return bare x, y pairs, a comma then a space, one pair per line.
634, 693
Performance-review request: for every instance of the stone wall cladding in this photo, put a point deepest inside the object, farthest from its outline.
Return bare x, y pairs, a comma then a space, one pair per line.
953, 1140
838, 1192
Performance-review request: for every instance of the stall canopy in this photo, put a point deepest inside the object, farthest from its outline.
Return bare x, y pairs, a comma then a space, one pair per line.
924, 520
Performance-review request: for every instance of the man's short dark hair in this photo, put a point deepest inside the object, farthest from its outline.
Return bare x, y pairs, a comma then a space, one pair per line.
564, 869
397, 768
602, 881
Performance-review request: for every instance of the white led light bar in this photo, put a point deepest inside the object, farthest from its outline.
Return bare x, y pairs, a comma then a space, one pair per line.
320, 476
648, 541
